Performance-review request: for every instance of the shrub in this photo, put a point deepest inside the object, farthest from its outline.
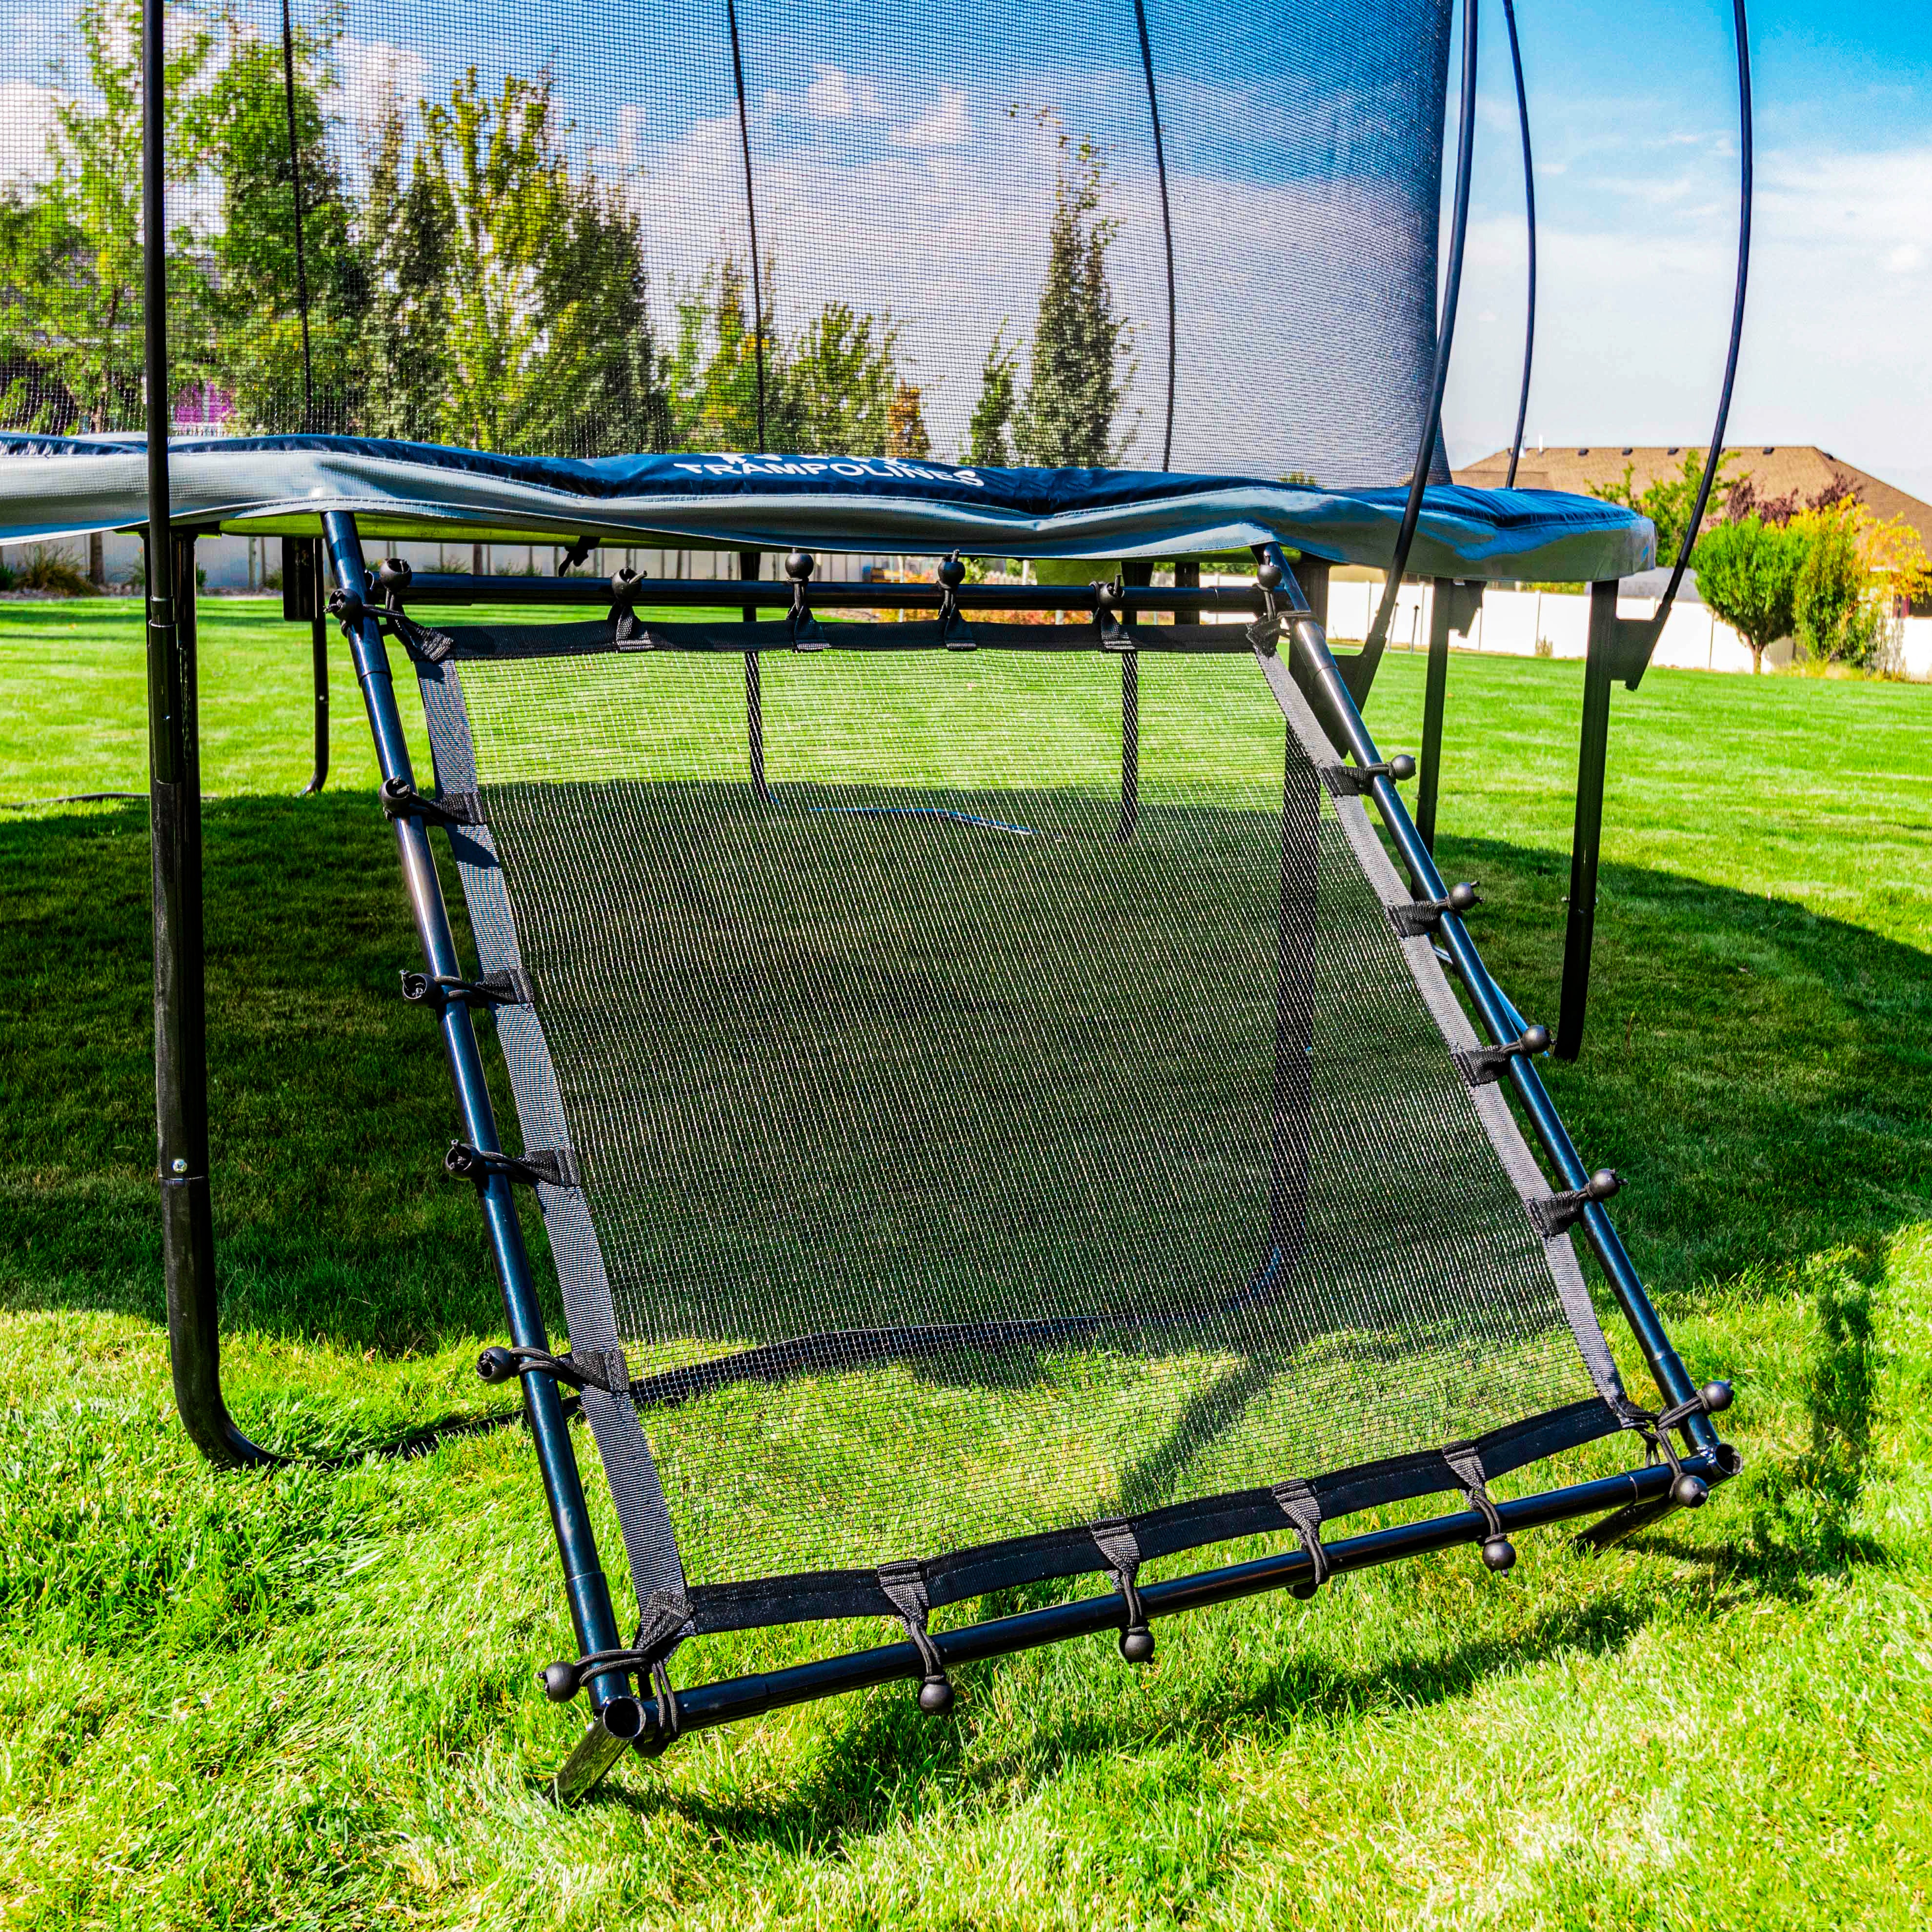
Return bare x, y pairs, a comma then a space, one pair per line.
51, 574
1838, 613
1748, 572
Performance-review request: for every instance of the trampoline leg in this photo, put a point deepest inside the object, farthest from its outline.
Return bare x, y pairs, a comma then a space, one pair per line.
1585, 841
586, 1766
180, 1024
318, 641
1429, 783
1140, 574
748, 563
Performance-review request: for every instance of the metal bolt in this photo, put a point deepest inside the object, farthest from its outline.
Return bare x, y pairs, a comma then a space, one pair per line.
179, 1165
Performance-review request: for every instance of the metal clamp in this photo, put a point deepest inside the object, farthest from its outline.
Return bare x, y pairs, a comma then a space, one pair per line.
1484, 1066
551, 1167
1424, 916
512, 988
1357, 781
1556, 1213
400, 800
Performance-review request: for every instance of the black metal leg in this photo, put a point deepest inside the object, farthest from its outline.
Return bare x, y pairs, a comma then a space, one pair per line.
318, 644
1587, 839
1429, 781
181, 1033
748, 563
1140, 574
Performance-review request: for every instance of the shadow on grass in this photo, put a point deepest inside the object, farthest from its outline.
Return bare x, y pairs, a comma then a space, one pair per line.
875, 1770
1763, 1077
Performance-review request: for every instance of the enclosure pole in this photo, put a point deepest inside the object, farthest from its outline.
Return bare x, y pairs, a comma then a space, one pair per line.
174, 806
1435, 692
590, 1607
1139, 573
748, 563
311, 560
1329, 692
1586, 839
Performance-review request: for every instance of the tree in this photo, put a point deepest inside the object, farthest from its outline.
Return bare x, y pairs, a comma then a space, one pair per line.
1075, 382
1838, 617
713, 367
1668, 501
70, 275
1747, 573
906, 434
256, 301
841, 382
407, 224
988, 434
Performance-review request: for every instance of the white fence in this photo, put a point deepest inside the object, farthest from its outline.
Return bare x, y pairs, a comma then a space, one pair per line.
1511, 623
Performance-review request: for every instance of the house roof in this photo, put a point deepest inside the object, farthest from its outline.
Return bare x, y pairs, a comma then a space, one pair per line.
1774, 470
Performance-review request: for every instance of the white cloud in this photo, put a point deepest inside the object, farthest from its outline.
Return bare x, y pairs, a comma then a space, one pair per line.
1907, 257
372, 74
835, 95
946, 125
26, 125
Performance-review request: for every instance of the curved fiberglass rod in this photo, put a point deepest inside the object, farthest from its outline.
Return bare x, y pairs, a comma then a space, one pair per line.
1445, 337
1743, 32
1529, 217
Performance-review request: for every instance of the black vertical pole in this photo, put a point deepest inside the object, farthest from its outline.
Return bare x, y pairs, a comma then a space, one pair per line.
295, 194
1435, 693
1585, 841
748, 563
174, 805
1139, 573
311, 561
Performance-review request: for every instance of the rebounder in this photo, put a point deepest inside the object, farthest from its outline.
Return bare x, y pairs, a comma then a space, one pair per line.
1007, 1035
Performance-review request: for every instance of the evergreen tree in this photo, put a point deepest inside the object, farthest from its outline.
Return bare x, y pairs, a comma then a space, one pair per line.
1075, 384
988, 434
407, 225
256, 303
841, 383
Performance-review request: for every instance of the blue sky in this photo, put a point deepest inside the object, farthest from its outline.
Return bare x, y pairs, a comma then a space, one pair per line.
1633, 110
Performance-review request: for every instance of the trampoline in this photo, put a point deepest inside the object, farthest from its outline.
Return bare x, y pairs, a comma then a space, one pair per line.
1012, 1023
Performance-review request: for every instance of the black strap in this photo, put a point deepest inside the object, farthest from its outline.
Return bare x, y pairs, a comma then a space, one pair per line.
511, 987
554, 1167
1121, 1552
905, 1585
1554, 1214
400, 800
1298, 1502
1418, 917
1465, 1463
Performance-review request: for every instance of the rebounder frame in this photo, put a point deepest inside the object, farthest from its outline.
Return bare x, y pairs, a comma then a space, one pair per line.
1289, 644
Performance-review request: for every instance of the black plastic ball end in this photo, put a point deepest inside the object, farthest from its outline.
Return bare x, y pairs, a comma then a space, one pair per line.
935, 1697
497, 1365
951, 573
1602, 1183
1269, 575
1401, 766
1536, 1039
559, 1681
1137, 1645
1717, 1397
1462, 898
799, 565
1499, 1553
1305, 1592
1689, 1491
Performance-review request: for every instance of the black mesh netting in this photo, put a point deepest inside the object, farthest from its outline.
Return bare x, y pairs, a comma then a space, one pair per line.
1086, 1166
530, 228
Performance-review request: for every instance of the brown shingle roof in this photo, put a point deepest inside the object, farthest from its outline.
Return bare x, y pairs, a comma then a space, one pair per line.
1774, 471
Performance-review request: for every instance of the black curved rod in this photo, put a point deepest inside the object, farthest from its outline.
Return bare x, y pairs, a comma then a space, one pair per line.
1742, 28
295, 191
1364, 666
1166, 221
751, 215
1529, 217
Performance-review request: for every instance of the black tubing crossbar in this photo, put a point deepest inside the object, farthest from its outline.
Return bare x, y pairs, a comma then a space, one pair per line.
731, 1700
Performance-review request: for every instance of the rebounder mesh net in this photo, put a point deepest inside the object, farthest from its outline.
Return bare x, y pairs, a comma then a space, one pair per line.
1149, 233
1019, 1110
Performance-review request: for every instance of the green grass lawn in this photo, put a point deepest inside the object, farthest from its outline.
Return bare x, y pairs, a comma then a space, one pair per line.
303, 1696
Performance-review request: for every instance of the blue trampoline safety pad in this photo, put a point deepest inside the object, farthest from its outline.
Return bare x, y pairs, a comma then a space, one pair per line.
58, 486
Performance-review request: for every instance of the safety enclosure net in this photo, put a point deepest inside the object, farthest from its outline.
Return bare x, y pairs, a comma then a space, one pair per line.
1153, 233
987, 1093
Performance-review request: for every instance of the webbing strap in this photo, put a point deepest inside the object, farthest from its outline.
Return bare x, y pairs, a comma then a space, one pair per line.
905, 1585
1465, 1463
1121, 1549
1297, 1501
